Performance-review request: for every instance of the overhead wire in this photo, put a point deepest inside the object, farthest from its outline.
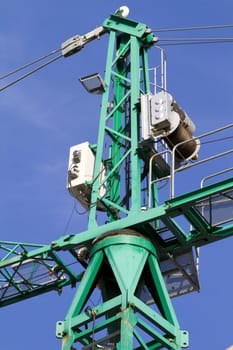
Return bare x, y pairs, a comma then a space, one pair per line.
27, 65
193, 41
17, 70
217, 140
30, 73
221, 26
196, 39
163, 41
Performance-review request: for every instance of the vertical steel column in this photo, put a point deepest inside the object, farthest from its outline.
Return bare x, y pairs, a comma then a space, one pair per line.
134, 116
118, 120
124, 262
101, 135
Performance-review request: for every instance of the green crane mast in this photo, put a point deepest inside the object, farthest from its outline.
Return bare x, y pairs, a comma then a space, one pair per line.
126, 251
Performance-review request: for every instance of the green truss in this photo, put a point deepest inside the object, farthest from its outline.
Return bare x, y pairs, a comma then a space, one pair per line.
126, 243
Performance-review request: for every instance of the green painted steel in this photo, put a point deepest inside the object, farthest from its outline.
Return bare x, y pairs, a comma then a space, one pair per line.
46, 271
125, 239
121, 264
124, 25
13, 253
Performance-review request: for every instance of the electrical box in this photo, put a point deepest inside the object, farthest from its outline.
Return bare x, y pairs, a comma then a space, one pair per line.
162, 117
160, 104
80, 173
158, 114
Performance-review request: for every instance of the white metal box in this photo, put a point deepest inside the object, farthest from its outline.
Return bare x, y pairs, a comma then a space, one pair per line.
80, 172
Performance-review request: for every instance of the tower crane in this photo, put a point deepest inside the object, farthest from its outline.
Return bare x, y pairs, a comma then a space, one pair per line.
138, 250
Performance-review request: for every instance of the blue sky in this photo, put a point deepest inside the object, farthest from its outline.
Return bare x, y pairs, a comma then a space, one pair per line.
42, 116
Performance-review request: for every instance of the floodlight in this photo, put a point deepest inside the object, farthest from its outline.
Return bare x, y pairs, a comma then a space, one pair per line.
93, 83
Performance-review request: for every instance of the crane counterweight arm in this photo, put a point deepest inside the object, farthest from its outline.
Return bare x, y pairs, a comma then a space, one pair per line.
77, 42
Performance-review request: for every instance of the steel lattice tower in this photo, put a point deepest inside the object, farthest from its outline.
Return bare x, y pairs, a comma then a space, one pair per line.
123, 251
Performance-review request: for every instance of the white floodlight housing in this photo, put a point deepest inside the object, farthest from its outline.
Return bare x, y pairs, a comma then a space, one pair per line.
93, 83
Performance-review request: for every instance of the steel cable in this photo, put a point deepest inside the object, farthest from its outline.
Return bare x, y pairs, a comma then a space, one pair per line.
30, 73
193, 28
29, 64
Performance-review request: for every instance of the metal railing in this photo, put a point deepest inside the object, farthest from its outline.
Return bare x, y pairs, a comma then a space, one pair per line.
211, 176
185, 164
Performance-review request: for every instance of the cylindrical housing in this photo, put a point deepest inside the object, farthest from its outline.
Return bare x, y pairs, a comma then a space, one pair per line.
189, 147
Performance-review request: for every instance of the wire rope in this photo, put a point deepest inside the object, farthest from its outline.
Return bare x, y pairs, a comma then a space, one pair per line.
185, 43
30, 73
175, 42
217, 140
222, 26
197, 39
29, 64
70, 218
